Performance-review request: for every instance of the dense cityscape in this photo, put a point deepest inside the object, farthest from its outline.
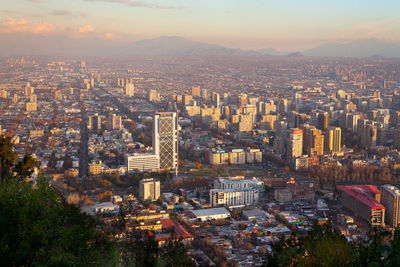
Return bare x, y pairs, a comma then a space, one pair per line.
170, 133
230, 154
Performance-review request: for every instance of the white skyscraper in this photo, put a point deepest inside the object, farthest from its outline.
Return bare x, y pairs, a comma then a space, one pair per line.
165, 139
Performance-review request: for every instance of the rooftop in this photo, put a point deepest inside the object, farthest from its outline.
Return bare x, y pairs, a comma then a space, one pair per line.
364, 194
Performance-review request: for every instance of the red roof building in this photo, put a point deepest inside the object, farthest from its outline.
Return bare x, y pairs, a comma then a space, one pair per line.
363, 201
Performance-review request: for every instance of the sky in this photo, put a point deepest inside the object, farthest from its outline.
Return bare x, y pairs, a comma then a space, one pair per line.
285, 25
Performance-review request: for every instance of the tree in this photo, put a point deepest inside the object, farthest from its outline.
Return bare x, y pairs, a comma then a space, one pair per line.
26, 166
7, 157
37, 227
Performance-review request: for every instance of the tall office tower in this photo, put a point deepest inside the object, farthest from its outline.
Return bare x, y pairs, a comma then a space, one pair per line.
94, 123
369, 135
333, 139
245, 122
149, 189
295, 143
114, 122
196, 91
165, 139
58, 95
153, 96
187, 99
226, 112
283, 105
297, 99
130, 89
323, 121
317, 148
33, 98
242, 100
204, 94
91, 82
381, 135
29, 90
390, 198
215, 99
280, 137
308, 137
83, 64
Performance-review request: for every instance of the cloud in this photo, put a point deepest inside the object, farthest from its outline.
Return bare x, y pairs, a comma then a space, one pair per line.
109, 35
133, 3
86, 28
66, 13
11, 25
37, 1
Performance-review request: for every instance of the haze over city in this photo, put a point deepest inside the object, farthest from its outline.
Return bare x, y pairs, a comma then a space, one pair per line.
283, 25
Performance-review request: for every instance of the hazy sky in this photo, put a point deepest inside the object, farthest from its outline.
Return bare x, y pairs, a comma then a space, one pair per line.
281, 24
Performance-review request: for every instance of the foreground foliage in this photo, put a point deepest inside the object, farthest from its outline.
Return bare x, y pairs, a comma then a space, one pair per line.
325, 246
38, 227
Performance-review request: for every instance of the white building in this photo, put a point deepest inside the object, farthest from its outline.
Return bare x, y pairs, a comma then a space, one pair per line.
165, 139
149, 189
233, 197
211, 214
142, 162
235, 183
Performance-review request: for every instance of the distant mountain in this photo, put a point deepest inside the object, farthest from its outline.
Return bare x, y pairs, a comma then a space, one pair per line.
271, 52
359, 48
173, 45
295, 54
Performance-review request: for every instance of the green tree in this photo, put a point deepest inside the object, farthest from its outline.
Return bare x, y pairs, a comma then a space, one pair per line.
7, 157
26, 166
37, 227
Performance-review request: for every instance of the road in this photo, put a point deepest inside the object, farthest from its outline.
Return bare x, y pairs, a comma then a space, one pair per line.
83, 150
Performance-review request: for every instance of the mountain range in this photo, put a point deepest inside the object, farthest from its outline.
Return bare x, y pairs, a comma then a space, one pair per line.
174, 45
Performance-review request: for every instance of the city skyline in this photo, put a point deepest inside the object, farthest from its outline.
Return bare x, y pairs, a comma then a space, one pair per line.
237, 24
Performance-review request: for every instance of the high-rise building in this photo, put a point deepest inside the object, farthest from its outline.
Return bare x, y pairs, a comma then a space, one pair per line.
215, 99
323, 121
295, 143
390, 198
165, 139
317, 145
245, 123
94, 123
153, 96
130, 89
196, 91
31, 107
29, 90
33, 98
149, 189
204, 93
115, 122
333, 139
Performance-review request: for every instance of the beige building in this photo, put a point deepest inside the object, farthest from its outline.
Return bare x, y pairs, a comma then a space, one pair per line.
130, 89
149, 189
196, 91
95, 168
390, 198
295, 143
31, 107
